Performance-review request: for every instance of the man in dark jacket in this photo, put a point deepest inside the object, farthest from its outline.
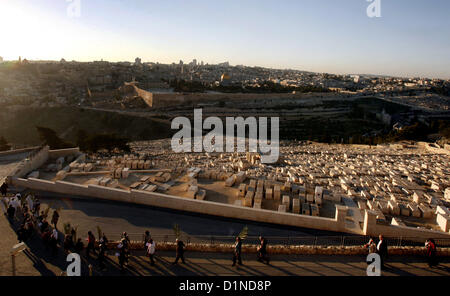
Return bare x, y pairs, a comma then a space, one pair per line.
262, 250
4, 189
382, 249
179, 251
237, 252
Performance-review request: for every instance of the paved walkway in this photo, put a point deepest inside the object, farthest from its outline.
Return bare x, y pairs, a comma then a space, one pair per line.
214, 264
114, 218
39, 261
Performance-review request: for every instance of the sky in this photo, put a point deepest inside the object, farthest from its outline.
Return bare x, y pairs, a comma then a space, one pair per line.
410, 39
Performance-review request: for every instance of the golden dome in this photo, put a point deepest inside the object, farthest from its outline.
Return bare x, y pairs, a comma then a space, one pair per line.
225, 76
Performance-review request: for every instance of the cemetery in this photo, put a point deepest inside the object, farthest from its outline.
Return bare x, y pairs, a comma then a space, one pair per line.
400, 190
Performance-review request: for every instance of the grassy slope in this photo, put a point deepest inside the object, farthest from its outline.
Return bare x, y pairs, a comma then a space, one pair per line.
66, 121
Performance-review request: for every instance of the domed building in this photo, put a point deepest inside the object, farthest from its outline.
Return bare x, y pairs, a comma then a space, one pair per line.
225, 79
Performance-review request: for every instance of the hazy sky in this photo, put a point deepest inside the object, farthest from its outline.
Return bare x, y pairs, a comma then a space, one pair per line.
412, 38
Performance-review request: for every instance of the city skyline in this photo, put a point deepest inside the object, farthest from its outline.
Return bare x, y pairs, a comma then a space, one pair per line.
409, 40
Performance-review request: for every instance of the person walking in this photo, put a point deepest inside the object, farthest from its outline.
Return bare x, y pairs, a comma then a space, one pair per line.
431, 252
68, 243
371, 246
79, 246
151, 248
237, 252
101, 253
179, 251
11, 211
122, 254
55, 218
37, 206
147, 238
91, 244
54, 241
4, 189
382, 250
262, 250
126, 247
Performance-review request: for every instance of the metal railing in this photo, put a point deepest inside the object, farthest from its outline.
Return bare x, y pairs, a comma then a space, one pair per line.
336, 241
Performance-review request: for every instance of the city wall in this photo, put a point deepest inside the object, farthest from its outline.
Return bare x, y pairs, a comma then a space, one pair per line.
183, 204
160, 100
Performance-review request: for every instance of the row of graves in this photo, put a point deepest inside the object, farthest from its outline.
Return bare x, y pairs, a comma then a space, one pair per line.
289, 197
401, 184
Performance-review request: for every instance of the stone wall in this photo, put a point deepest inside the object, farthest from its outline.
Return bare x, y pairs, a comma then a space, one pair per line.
159, 100
32, 163
372, 228
18, 151
182, 204
54, 154
289, 250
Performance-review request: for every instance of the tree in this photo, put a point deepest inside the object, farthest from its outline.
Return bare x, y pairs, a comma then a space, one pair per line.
4, 145
81, 139
50, 138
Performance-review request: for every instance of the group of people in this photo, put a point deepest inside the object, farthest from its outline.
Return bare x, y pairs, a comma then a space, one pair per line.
27, 213
382, 249
31, 219
261, 250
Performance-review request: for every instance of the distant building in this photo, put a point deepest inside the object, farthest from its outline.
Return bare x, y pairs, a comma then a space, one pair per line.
137, 62
225, 79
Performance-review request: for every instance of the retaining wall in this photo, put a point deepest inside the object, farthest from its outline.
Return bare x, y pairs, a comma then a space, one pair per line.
184, 204
54, 154
34, 162
372, 228
288, 250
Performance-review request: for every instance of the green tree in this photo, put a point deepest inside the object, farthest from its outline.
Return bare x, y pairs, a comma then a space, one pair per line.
50, 138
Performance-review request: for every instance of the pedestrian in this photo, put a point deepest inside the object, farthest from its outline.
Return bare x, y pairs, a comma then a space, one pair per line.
37, 206
122, 254
151, 248
29, 201
237, 252
46, 236
11, 212
104, 240
68, 243
79, 246
431, 252
4, 189
91, 243
371, 246
262, 250
179, 251
382, 250
22, 234
101, 253
147, 238
43, 225
126, 247
54, 241
55, 218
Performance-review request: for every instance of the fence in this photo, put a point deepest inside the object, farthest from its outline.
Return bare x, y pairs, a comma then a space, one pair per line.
343, 241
